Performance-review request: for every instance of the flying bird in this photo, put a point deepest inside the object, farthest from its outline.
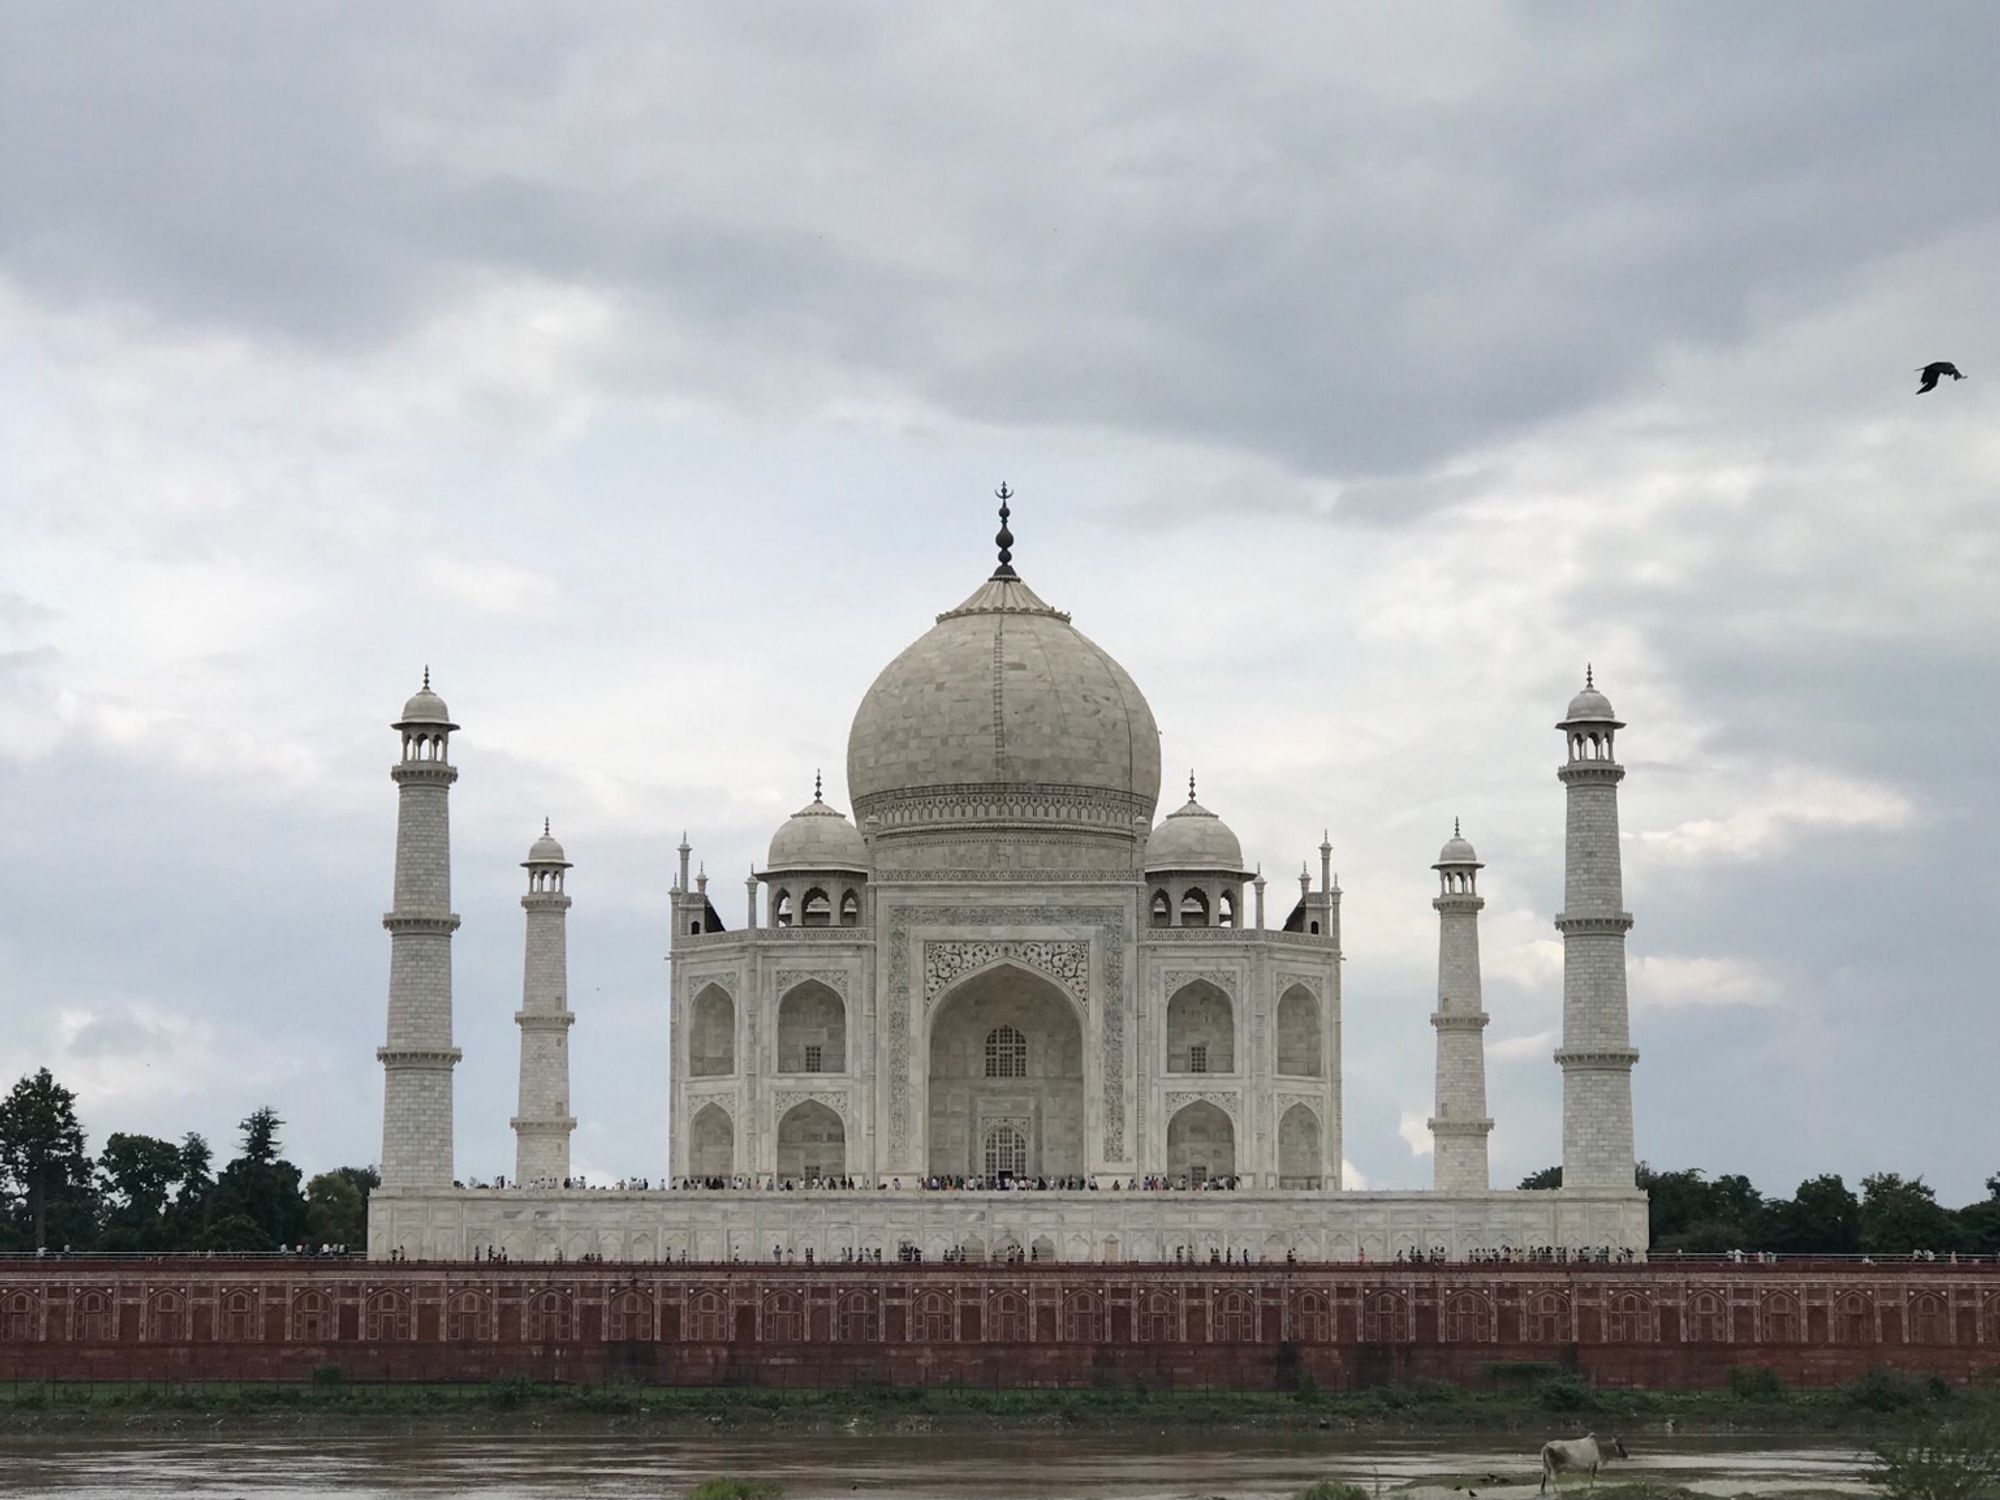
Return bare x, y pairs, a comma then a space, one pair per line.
1934, 372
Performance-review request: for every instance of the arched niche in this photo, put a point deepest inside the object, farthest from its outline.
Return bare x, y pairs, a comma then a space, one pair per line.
712, 1038
1300, 1047
1201, 1030
812, 1030
1030, 1032
1201, 1143
812, 1142
1299, 1148
711, 1142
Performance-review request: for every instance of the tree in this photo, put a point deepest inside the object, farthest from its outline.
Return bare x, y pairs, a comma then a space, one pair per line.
43, 1163
1979, 1223
1900, 1214
260, 1187
1822, 1218
189, 1214
1548, 1177
135, 1176
337, 1206
1688, 1212
260, 1136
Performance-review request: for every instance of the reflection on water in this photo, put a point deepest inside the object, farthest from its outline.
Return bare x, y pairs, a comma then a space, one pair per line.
958, 1466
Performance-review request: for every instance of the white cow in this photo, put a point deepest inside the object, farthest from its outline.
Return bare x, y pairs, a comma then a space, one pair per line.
1584, 1453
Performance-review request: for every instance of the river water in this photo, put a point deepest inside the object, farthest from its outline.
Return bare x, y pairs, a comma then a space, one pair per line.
955, 1466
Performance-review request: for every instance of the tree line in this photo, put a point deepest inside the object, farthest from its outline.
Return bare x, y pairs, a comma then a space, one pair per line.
1695, 1214
143, 1193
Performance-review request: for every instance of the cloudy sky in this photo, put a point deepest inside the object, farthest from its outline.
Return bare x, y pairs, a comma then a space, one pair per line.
1362, 371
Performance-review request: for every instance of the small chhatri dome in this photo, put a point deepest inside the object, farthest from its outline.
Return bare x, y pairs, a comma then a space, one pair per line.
426, 707
545, 850
1457, 849
1590, 706
817, 837
1193, 838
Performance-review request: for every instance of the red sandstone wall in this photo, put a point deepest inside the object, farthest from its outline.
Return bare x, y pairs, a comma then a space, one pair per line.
1250, 1327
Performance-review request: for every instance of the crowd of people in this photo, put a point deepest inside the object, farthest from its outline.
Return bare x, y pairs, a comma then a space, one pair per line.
768, 1182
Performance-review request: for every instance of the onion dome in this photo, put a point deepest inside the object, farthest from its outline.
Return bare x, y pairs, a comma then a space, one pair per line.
545, 850
817, 837
1004, 714
425, 707
1194, 839
1457, 850
1590, 706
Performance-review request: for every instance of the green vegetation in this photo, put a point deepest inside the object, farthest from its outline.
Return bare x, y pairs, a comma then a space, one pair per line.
143, 1193
1331, 1489
1950, 1457
1882, 1404
1892, 1215
737, 1489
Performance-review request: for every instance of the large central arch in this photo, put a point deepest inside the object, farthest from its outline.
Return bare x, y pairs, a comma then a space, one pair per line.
1006, 1070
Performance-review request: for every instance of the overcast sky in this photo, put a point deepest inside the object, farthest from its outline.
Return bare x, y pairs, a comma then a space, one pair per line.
1363, 372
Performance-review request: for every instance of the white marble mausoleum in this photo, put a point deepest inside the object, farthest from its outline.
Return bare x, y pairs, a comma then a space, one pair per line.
1002, 1006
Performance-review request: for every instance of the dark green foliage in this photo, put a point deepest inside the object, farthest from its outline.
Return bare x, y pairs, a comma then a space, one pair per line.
1944, 1458
1567, 1393
44, 1173
259, 1186
1755, 1383
737, 1489
1900, 1214
136, 1179
1331, 1489
1548, 1177
1888, 1392
1822, 1218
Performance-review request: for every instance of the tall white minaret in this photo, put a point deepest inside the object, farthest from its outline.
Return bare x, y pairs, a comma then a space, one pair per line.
1596, 1056
1460, 1126
418, 1058
543, 1126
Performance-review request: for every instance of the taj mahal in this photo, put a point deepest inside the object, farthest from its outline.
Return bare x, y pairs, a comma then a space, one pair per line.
1000, 1010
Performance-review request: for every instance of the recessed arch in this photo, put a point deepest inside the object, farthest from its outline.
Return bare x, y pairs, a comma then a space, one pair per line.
1201, 1143
1301, 1047
1299, 1148
812, 1143
711, 1142
1194, 907
712, 1036
1030, 1031
850, 909
1201, 1029
816, 908
1162, 910
812, 1029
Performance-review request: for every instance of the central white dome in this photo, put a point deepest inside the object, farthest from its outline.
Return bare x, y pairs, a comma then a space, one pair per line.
1004, 713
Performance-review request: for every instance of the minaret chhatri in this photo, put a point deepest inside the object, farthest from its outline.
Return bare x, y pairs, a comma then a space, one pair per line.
1596, 1056
418, 1057
543, 1126
1460, 1126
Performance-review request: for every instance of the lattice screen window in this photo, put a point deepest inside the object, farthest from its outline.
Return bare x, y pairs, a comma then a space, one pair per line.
1198, 1057
1006, 1151
815, 1058
1006, 1053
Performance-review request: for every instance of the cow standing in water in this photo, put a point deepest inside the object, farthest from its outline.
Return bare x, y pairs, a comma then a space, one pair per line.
1584, 1453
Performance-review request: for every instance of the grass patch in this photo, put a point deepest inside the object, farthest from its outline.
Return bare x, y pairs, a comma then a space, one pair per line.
737, 1489
1331, 1489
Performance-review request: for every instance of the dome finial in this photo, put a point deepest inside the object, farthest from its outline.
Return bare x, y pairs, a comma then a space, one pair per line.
545, 827
816, 786
1005, 538
1589, 676
427, 677
1190, 784
1454, 828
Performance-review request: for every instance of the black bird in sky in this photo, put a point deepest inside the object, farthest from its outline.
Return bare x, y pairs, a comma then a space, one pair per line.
1936, 371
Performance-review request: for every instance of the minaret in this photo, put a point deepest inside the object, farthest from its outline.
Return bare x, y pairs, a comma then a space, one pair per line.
418, 1057
1460, 1126
542, 1128
1596, 1056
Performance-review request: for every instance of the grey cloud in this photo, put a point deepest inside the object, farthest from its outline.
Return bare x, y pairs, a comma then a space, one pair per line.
1211, 242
